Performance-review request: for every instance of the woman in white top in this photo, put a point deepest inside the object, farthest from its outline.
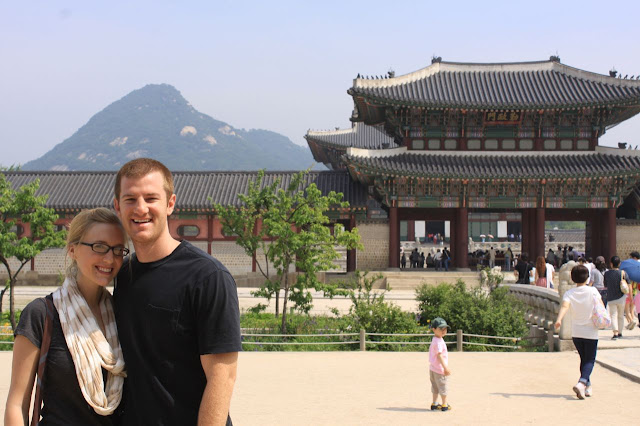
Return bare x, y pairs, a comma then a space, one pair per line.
581, 300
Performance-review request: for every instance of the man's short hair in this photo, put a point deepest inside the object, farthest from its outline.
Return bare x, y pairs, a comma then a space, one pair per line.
579, 274
141, 167
635, 255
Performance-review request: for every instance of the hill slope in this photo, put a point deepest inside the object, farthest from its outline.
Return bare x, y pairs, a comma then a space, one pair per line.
156, 121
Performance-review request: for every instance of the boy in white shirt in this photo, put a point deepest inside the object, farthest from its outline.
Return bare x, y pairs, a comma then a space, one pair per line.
439, 364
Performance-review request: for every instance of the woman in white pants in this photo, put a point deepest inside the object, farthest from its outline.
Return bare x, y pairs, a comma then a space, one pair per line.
615, 297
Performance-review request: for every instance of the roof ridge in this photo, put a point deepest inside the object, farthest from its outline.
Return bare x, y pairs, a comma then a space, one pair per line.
442, 67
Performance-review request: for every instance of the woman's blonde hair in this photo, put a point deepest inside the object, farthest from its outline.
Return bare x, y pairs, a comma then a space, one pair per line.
81, 223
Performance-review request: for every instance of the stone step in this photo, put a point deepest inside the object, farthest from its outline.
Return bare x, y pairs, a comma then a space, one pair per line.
410, 280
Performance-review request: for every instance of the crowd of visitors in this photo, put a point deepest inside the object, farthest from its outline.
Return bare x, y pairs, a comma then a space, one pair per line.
617, 291
440, 260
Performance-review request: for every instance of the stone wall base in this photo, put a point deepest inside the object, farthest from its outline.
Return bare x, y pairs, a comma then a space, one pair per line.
565, 345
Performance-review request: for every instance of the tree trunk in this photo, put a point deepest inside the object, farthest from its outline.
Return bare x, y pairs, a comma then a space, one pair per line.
12, 307
277, 302
4, 290
283, 329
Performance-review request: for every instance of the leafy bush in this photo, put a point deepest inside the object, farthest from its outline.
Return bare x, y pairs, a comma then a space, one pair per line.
473, 311
266, 323
369, 311
5, 328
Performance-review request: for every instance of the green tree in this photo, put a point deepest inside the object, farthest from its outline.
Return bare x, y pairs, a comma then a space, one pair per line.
23, 206
289, 226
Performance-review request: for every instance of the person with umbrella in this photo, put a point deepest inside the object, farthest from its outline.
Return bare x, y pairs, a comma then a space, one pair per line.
632, 268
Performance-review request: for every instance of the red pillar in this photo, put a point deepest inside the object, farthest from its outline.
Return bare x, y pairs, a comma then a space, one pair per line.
526, 236
351, 254
394, 238
540, 219
595, 238
610, 223
462, 238
209, 233
411, 230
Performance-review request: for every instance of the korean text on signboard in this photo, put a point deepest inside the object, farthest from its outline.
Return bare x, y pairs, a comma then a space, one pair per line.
502, 117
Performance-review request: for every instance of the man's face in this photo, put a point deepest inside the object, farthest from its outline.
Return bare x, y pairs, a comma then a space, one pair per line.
143, 207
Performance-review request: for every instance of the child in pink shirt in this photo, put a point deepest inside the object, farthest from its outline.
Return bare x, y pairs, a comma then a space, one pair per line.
439, 364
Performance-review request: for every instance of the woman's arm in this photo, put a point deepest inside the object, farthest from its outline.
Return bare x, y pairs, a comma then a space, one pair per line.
563, 310
23, 372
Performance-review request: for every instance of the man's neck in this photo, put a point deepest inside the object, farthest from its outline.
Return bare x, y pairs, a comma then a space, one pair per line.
156, 250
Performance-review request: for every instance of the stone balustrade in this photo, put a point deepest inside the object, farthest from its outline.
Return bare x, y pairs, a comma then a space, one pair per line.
542, 304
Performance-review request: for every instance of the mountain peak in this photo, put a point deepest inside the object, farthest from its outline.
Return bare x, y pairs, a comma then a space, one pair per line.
157, 121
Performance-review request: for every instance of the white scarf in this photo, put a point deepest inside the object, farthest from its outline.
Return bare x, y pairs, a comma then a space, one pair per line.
89, 349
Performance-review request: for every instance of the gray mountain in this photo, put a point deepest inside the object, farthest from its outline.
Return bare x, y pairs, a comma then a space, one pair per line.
156, 121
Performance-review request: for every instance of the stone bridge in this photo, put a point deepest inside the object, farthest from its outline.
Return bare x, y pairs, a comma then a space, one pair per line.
543, 306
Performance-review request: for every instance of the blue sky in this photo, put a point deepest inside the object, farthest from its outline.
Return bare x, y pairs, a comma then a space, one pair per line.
281, 66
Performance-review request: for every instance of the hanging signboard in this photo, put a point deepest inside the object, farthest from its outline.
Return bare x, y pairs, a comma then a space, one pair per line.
502, 117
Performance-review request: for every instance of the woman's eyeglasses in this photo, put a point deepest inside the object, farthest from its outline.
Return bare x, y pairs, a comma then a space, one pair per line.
104, 248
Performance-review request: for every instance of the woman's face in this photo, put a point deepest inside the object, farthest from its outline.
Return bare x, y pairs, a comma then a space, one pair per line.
98, 268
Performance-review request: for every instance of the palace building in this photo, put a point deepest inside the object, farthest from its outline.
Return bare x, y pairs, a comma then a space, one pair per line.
466, 149
501, 143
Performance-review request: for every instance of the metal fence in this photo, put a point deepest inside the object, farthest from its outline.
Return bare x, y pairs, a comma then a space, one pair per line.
363, 341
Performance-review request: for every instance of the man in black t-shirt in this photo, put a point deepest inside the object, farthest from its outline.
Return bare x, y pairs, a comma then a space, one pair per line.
176, 309
523, 267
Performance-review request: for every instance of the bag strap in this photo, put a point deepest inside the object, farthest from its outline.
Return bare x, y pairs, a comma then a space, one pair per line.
44, 351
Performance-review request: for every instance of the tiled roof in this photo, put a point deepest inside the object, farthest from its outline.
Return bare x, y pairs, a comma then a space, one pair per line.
328, 146
359, 136
544, 84
401, 162
78, 190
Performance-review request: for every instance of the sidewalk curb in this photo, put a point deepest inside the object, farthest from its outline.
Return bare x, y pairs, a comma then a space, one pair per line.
624, 372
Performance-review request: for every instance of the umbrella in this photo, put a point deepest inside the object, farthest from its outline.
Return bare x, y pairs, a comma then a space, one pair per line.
632, 268
490, 236
482, 236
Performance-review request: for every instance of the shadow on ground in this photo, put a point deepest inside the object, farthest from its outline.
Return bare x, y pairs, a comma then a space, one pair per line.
535, 395
405, 409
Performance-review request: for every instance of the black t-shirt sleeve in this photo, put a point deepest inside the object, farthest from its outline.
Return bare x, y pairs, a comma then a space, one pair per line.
217, 314
31, 324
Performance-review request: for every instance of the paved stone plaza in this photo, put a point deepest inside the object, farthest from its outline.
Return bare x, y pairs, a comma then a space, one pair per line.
383, 388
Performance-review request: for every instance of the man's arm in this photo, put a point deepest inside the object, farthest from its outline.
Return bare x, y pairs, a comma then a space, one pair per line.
220, 370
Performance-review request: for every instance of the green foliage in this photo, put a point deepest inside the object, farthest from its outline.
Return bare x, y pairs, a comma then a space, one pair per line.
473, 311
6, 330
11, 168
24, 206
491, 278
262, 323
290, 226
369, 310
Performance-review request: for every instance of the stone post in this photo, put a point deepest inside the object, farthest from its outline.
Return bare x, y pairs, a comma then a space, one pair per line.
459, 340
363, 344
565, 284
